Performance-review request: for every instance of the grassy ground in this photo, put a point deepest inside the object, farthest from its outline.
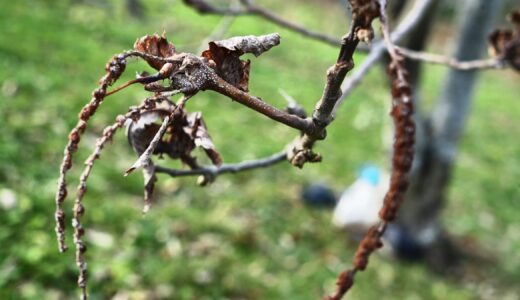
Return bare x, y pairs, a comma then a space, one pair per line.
246, 236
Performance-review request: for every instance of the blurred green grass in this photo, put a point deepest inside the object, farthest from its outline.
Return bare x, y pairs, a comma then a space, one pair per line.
246, 236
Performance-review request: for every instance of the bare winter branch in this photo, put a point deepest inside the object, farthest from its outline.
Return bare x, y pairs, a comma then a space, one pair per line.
221, 69
114, 68
481, 64
221, 86
79, 209
402, 112
249, 8
378, 49
361, 29
214, 171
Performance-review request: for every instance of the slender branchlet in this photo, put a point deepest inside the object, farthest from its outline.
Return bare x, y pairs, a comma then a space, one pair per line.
363, 12
214, 171
402, 158
250, 8
79, 209
479, 64
404, 137
114, 68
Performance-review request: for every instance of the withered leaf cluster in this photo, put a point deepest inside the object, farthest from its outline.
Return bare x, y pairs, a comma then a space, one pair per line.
505, 43
184, 133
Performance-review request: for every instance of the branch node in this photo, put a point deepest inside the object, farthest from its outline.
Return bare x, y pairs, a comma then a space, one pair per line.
300, 152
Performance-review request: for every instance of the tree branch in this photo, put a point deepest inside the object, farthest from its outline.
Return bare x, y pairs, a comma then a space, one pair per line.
213, 171
220, 86
481, 64
249, 8
205, 7
79, 209
313, 129
378, 49
404, 138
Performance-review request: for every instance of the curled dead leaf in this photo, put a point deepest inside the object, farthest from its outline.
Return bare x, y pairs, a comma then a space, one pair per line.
199, 132
226, 54
156, 45
183, 135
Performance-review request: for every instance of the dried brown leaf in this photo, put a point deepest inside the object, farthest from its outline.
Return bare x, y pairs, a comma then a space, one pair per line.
185, 132
155, 45
226, 56
141, 132
201, 137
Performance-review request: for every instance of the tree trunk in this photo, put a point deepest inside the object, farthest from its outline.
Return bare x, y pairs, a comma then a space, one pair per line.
437, 143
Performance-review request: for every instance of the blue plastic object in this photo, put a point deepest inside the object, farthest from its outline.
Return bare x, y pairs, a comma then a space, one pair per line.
371, 174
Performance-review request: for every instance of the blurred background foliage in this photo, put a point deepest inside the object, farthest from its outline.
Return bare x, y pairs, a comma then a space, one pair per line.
247, 236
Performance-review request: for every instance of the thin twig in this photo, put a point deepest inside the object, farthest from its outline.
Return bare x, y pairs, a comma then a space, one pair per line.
213, 171
113, 70
480, 64
249, 8
293, 107
313, 129
291, 102
79, 209
402, 112
378, 49
270, 16
322, 116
